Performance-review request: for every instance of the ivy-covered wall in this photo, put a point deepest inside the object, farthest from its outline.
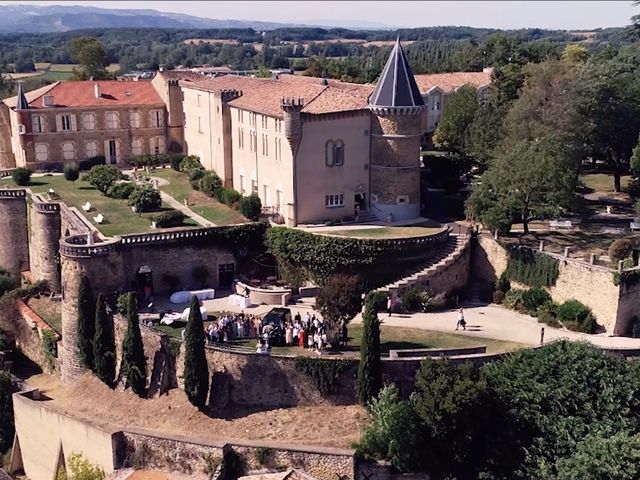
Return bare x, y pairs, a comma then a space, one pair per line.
316, 257
531, 268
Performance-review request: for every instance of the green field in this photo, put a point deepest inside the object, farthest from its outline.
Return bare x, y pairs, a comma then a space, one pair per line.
602, 182
119, 218
180, 189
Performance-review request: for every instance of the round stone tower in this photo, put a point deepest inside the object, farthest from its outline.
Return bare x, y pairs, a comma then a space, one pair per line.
397, 108
44, 242
99, 261
14, 240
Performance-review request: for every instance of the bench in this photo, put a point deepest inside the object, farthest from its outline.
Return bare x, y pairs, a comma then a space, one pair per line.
99, 218
560, 225
86, 207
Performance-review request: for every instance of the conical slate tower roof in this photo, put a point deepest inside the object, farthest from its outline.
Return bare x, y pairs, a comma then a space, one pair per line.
396, 85
21, 101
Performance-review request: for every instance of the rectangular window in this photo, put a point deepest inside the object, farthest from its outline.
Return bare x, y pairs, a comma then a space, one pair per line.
265, 145
264, 121
240, 138
91, 149
89, 121
156, 118
253, 140
254, 187
38, 123
136, 146
338, 154
157, 145
199, 124
112, 120
65, 121
240, 116
134, 119
242, 190
279, 200
198, 100
334, 200
42, 152
68, 151
278, 126
265, 192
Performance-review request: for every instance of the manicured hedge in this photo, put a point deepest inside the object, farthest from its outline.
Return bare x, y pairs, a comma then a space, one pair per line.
170, 218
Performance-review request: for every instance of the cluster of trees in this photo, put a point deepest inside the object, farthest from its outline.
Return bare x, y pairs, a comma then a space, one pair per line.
537, 124
566, 411
97, 351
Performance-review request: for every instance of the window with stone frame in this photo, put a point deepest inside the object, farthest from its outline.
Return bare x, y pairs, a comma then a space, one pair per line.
334, 200
38, 123
42, 152
68, 151
240, 138
338, 153
65, 122
157, 118
329, 153
157, 145
135, 119
91, 149
136, 146
111, 120
265, 145
88, 121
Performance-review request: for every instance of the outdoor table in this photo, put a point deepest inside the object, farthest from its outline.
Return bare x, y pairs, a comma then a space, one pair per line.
185, 313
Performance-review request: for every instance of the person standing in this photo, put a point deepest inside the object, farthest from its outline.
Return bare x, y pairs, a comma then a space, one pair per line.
389, 304
301, 339
461, 322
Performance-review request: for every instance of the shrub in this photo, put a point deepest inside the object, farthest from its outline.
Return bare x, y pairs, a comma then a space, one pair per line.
170, 218
122, 302
121, 190
210, 183
621, 249
264, 456
91, 162
503, 284
195, 174
229, 196
251, 207
577, 316
634, 188
378, 300
547, 314
190, 162
49, 347
415, 300
175, 161
103, 176
21, 176
71, 172
534, 298
4, 342
7, 283
513, 299
145, 198
498, 297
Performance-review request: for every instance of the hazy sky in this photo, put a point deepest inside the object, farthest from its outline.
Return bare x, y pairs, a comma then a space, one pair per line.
497, 14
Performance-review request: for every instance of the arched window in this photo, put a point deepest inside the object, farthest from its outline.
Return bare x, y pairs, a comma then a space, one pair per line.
68, 151
338, 153
329, 153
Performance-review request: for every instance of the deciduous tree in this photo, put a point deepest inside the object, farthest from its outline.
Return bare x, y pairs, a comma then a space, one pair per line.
454, 130
338, 302
91, 56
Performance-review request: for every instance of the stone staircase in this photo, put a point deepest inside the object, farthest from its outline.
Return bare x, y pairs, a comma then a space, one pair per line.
367, 217
455, 246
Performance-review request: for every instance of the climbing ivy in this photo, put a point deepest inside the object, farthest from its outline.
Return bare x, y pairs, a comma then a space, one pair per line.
324, 372
531, 268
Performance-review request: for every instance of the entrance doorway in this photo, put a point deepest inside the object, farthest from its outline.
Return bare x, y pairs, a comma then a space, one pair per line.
111, 151
360, 200
144, 280
226, 272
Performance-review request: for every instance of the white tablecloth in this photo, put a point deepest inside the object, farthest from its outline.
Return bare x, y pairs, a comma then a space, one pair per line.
239, 300
185, 296
169, 318
185, 313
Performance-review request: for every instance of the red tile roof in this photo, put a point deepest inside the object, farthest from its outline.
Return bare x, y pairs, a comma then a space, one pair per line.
70, 94
263, 95
448, 82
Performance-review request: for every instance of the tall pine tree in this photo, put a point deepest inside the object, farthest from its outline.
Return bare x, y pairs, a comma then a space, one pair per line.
86, 322
134, 363
370, 368
196, 370
104, 348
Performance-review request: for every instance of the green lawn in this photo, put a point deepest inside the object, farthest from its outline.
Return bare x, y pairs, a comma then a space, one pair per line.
180, 189
386, 232
119, 218
392, 338
602, 182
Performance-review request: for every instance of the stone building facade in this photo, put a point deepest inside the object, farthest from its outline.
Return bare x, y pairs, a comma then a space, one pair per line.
78, 120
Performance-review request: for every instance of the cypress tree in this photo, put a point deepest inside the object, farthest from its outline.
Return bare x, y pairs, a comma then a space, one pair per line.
134, 363
370, 368
86, 322
104, 349
196, 370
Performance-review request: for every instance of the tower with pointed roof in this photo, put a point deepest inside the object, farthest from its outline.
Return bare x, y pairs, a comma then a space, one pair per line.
397, 108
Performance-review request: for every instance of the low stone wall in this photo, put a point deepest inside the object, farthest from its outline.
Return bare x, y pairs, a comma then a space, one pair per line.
266, 296
592, 285
188, 455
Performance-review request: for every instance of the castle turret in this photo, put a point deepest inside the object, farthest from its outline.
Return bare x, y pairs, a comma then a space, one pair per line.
397, 108
14, 239
44, 242
292, 108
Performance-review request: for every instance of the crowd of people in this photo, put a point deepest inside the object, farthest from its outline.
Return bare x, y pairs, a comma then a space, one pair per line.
232, 326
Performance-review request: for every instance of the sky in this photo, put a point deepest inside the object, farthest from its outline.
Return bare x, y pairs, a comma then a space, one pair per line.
569, 15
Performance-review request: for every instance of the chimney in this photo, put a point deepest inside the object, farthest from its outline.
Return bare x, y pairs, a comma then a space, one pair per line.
96, 89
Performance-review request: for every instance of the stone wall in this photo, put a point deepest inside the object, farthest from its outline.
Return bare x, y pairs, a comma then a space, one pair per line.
14, 241
592, 285
187, 455
44, 244
7, 159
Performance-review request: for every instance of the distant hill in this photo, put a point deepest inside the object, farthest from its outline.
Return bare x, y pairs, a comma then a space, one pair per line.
27, 18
